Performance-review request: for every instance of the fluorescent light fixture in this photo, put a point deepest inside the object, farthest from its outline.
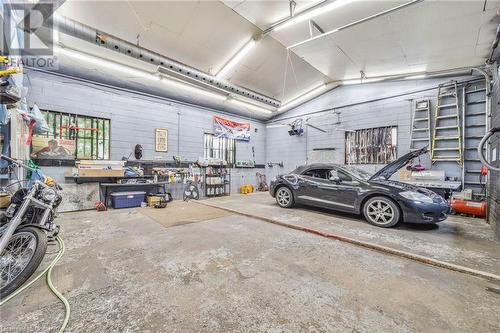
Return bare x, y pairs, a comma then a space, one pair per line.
137, 72
312, 13
349, 25
192, 89
163, 78
249, 106
301, 98
105, 63
416, 77
360, 81
236, 58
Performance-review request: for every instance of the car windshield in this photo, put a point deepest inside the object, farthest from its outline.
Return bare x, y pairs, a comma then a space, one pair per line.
361, 174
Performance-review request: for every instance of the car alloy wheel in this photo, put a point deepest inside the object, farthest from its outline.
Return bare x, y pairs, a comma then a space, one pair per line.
381, 212
284, 197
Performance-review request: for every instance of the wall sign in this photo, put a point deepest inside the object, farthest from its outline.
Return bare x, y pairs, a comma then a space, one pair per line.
161, 139
231, 129
51, 148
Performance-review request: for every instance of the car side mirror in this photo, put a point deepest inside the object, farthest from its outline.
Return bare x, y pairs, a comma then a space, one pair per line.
334, 179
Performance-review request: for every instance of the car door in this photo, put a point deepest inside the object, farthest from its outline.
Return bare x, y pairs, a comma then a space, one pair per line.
339, 191
308, 183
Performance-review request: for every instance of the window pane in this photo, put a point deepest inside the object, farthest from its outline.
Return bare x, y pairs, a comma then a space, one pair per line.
88, 144
50, 122
88, 148
80, 152
371, 146
57, 124
106, 149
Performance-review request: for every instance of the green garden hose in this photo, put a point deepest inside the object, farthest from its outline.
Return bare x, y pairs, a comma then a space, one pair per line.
48, 270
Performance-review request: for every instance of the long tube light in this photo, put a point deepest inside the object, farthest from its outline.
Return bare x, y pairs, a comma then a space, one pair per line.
249, 106
105, 63
416, 77
349, 25
303, 97
164, 79
312, 13
135, 72
360, 81
236, 58
191, 88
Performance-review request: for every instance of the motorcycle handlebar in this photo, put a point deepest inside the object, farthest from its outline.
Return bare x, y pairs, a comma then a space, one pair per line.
16, 162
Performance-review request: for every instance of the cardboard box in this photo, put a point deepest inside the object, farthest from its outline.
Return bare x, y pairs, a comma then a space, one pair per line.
101, 162
153, 199
99, 173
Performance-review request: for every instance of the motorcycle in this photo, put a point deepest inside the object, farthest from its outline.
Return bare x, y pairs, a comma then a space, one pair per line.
26, 226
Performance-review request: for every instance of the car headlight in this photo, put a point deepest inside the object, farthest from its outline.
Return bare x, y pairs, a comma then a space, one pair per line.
274, 179
48, 194
415, 196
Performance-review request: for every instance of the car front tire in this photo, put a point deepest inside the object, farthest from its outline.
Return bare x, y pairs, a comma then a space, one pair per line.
284, 197
381, 211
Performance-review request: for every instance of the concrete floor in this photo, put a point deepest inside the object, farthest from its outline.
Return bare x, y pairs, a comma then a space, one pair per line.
145, 270
459, 240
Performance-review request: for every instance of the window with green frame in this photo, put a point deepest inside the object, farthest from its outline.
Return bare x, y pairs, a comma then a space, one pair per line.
91, 136
219, 147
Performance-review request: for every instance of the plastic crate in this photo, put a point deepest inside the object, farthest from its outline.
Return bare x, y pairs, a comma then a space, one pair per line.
127, 199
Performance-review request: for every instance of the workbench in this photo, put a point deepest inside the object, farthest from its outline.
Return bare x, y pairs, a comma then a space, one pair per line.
115, 187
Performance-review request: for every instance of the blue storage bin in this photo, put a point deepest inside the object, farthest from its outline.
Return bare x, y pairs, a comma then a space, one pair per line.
127, 199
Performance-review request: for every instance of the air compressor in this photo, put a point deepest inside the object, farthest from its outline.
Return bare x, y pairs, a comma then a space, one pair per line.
464, 204
476, 208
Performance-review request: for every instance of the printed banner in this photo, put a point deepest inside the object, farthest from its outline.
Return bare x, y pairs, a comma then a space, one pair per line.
231, 129
50, 148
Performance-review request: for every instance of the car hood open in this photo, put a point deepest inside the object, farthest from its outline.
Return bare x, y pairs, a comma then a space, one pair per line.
387, 171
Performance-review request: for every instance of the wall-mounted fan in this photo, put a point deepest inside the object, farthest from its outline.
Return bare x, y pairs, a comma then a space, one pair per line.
297, 126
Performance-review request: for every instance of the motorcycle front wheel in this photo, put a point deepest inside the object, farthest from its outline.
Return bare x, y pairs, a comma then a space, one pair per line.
21, 257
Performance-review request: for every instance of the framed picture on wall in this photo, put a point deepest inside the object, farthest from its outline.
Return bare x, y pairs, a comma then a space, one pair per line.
161, 139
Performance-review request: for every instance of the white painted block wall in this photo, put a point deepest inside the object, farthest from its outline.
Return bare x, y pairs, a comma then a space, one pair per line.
356, 113
134, 118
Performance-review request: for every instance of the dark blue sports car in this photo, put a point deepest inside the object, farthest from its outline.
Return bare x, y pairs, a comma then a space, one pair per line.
383, 202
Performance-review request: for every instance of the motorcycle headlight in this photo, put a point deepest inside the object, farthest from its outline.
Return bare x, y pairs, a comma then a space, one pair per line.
415, 196
48, 194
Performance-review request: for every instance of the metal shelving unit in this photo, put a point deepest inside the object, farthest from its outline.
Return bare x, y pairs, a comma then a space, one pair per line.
217, 180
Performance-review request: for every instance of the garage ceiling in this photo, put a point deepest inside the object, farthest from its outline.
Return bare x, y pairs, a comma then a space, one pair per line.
428, 36
201, 34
